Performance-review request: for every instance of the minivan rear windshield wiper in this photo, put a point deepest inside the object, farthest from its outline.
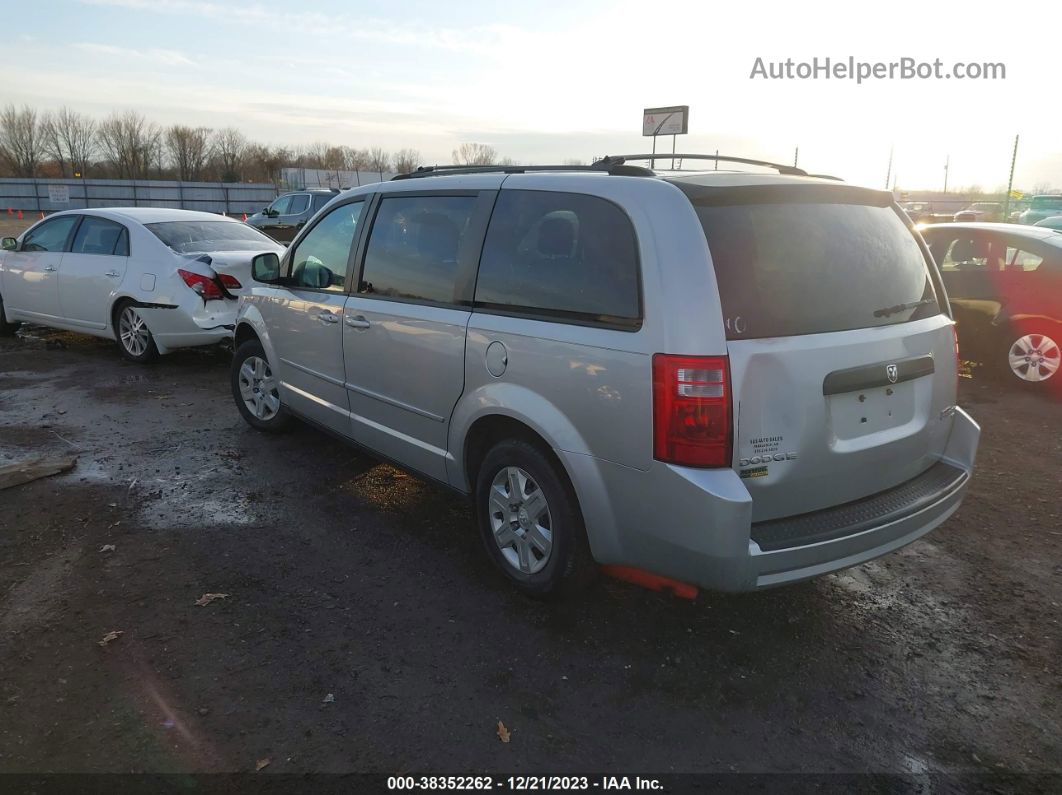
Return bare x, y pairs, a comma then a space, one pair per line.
892, 310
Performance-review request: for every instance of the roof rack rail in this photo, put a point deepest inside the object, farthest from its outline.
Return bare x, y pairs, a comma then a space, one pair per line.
617, 160
610, 168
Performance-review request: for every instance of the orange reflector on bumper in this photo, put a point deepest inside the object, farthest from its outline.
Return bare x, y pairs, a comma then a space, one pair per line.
654, 582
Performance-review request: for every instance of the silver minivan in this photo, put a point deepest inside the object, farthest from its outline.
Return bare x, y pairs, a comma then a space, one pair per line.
724, 379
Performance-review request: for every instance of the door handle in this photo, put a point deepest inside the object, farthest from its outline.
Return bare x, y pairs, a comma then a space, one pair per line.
358, 322
49, 268
112, 274
328, 317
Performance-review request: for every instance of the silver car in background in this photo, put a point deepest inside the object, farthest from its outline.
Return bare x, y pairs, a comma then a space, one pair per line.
727, 379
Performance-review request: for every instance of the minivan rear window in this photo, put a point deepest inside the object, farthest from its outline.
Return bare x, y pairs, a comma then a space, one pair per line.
786, 268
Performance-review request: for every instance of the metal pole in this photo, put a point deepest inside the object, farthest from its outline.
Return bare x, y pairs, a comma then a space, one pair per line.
796, 156
1010, 182
947, 165
652, 160
888, 171
716, 159
673, 137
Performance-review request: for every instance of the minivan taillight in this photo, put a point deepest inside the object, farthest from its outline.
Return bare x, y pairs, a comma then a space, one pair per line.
691, 410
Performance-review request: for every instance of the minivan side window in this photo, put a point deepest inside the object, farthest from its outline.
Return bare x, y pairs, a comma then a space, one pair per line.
560, 256
100, 236
50, 235
320, 260
414, 245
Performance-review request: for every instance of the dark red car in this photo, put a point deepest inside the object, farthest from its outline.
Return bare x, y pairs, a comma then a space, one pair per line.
1004, 282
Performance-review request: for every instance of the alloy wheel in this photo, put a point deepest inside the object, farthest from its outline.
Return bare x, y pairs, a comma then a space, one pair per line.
1034, 357
520, 520
258, 388
133, 332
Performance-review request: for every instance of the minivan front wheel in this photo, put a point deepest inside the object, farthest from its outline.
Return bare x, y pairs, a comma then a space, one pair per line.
529, 519
255, 389
1035, 357
7, 328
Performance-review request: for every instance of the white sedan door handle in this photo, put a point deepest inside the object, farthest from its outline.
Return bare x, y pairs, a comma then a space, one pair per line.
358, 322
328, 317
112, 274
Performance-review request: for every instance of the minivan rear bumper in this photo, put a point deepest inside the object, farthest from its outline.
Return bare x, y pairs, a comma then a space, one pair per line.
695, 525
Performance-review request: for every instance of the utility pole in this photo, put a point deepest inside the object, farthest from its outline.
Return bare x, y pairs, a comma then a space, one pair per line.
947, 165
796, 156
1010, 181
888, 171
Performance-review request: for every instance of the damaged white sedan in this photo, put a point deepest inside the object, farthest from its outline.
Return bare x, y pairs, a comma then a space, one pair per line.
153, 279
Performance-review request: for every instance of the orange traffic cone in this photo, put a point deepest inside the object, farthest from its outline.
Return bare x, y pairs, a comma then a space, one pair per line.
245, 217
20, 215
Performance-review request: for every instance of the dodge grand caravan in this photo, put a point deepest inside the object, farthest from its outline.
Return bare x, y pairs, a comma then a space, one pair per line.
729, 379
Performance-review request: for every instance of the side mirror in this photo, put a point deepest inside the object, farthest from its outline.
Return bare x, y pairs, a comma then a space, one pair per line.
265, 268
9, 244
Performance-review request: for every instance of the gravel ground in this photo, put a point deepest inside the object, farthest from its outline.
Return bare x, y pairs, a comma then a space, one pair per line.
364, 630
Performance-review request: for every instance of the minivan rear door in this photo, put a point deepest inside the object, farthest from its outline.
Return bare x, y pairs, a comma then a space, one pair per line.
841, 350
404, 327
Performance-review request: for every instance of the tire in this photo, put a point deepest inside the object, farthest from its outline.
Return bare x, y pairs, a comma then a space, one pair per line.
134, 338
6, 328
1031, 356
517, 466
255, 390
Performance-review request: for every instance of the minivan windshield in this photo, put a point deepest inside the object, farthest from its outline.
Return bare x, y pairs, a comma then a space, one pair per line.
186, 237
787, 268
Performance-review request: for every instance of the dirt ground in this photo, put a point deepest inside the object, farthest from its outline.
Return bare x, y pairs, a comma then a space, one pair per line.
363, 629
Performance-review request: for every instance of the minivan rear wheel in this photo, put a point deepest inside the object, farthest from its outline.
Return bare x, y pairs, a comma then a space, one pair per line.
529, 520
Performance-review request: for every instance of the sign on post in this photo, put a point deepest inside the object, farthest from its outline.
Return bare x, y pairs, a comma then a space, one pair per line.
59, 194
674, 120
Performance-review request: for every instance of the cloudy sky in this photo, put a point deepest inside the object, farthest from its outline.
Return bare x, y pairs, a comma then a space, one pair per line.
543, 82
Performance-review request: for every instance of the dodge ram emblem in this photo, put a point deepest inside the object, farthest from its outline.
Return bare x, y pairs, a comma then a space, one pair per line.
893, 372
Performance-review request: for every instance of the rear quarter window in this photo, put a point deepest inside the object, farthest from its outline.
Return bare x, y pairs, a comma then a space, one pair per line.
560, 256
787, 268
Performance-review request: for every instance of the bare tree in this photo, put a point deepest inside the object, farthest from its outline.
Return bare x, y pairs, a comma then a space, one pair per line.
313, 155
1041, 187
229, 147
52, 143
20, 140
471, 154
379, 160
355, 159
189, 150
264, 163
76, 139
333, 158
131, 143
507, 161
406, 160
